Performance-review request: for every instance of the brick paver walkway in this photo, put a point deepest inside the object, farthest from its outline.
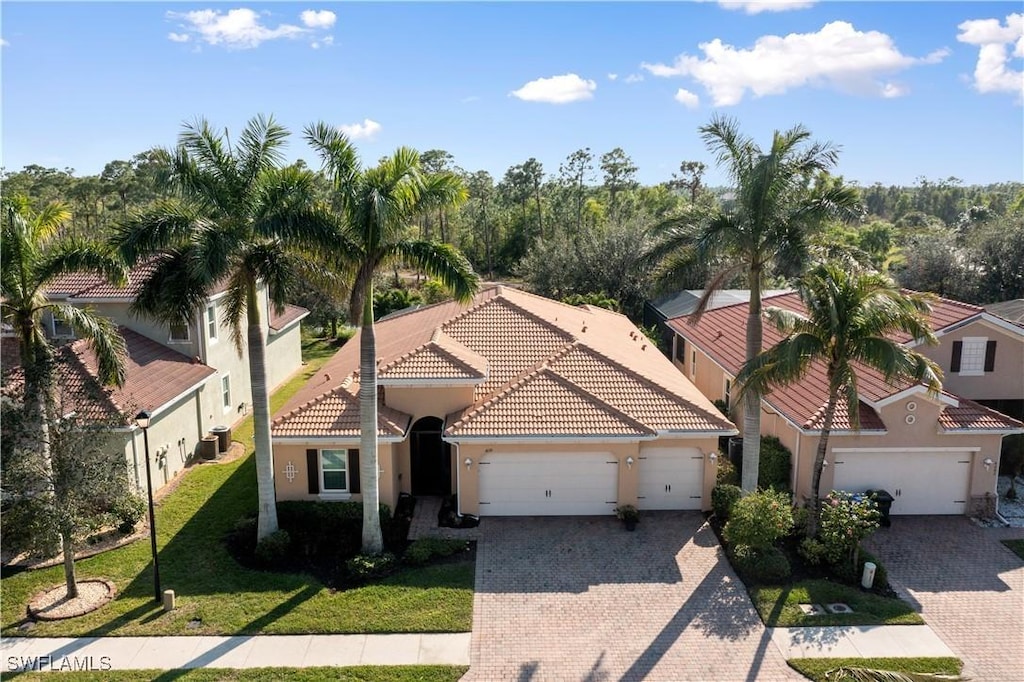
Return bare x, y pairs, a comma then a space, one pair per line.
968, 586
574, 599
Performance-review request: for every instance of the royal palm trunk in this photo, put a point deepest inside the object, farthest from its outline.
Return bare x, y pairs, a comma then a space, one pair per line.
373, 542
267, 519
752, 399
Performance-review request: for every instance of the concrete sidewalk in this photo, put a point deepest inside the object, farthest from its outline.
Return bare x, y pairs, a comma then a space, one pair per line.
255, 651
860, 641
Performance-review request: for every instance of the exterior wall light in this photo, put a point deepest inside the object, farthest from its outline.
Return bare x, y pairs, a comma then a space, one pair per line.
468, 463
629, 462
713, 456
988, 463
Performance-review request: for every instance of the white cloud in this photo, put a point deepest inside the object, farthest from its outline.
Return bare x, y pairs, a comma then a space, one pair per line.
687, 98
613, 76
891, 90
758, 6
4, 43
994, 71
635, 78
471, 98
322, 19
557, 89
837, 56
178, 37
366, 130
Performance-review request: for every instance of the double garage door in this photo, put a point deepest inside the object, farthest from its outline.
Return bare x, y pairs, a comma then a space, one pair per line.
923, 482
584, 483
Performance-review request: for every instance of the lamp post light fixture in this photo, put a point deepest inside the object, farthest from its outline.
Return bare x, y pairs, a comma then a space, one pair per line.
143, 419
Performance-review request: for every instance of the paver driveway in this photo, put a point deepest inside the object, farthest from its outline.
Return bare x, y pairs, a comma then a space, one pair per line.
580, 598
968, 585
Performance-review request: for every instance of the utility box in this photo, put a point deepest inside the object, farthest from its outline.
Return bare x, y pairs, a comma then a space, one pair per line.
168, 600
867, 579
884, 501
223, 434
208, 447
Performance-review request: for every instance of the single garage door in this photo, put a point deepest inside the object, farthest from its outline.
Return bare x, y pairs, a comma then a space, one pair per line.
548, 484
923, 482
670, 478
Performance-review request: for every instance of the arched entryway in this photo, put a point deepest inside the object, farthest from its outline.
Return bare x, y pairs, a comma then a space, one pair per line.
431, 460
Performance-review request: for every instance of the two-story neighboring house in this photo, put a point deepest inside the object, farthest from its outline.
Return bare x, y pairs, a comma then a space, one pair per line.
190, 377
935, 454
518, 404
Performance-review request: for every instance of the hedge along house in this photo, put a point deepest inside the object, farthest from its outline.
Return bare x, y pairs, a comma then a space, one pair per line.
935, 455
518, 404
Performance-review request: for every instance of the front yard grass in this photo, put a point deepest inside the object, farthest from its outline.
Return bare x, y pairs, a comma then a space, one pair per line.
779, 605
227, 598
815, 668
398, 673
1016, 546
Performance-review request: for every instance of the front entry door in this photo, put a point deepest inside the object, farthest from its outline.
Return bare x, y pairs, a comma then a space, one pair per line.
431, 459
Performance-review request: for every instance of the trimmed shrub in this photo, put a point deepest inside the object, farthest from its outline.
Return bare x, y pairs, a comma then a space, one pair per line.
723, 497
425, 549
241, 540
759, 519
774, 466
128, 512
765, 565
274, 550
801, 517
362, 567
846, 520
812, 551
727, 473
328, 533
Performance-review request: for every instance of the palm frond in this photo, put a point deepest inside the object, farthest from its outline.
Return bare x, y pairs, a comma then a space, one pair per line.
444, 262
102, 336
168, 224
857, 674
73, 255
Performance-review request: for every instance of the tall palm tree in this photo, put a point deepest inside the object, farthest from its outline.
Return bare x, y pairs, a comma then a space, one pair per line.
34, 254
763, 231
850, 319
377, 205
240, 218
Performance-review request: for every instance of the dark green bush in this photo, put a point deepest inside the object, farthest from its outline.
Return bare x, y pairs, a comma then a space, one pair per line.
423, 550
767, 565
274, 550
812, 551
759, 519
362, 567
774, 466
128, 512
328, 532
727, 473
723, 497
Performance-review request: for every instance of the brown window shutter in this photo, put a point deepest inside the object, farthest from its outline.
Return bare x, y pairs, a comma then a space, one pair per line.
353, 470
958, 348
990, 356
313, 470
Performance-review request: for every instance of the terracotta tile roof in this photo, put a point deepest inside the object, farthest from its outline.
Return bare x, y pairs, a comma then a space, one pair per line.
290, 313
721, 334
971, 415
336, 413
92, 286
521, 347
154, 375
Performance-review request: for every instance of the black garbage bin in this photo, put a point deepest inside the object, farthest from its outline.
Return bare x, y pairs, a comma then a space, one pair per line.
884, 501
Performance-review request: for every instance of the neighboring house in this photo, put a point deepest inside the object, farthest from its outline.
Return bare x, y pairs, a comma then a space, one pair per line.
658, 312
183, 411
936, 455
518, 404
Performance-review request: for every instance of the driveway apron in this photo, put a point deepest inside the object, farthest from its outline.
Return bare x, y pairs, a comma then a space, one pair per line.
968, 586
582, 599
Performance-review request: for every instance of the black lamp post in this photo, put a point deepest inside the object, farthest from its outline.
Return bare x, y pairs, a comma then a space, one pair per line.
142, 419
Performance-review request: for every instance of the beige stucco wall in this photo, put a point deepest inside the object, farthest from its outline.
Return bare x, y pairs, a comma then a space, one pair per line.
298, 487
709, 377
173, 440
1005, 382
284, 355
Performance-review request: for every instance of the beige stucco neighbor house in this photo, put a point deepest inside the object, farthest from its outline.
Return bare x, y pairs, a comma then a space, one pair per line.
191, 377
518, 404
934, 454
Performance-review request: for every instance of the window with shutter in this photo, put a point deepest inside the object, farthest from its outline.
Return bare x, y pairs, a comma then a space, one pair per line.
973, 352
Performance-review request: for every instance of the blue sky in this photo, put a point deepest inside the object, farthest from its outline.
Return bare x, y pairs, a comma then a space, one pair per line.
906, 89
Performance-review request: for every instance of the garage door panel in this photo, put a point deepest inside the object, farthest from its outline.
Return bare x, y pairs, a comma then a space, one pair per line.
548, 484
671, 478
927, 482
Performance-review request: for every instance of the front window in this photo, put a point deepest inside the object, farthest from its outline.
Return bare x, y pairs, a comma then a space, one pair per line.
61, 330
179, 333
225, 390
680, 348
211, 322
333, 470
972, 356
693, 364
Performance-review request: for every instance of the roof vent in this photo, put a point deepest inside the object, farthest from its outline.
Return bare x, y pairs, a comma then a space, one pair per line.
327, 377
584, 329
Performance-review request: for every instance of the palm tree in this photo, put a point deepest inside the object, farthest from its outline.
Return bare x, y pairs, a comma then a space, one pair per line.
377, 205
34, 254
764, 230
242, 219
851, 317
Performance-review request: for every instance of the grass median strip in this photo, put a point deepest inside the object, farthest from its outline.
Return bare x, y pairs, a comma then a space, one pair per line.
398, 673
780, 606
815, 668
217, 596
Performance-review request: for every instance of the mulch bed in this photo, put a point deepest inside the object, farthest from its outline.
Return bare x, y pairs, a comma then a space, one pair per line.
53, 603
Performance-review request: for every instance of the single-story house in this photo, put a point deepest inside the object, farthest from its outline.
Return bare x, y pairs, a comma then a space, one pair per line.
934, 454
518, 404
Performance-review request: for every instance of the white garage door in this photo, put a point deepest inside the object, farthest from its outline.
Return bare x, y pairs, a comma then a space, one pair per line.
548, 484
670, 478
923, 482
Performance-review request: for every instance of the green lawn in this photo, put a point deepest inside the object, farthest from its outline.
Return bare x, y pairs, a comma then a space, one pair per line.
1016, 546
815, 668
778, 606
228, 598
398, 673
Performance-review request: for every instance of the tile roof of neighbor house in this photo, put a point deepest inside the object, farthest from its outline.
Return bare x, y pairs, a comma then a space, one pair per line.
1011, 311
289, 314
530, 355
154, 375
89, 286
336, 414
720, 333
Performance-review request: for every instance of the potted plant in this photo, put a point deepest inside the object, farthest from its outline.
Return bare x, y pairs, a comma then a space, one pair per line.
628, 514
